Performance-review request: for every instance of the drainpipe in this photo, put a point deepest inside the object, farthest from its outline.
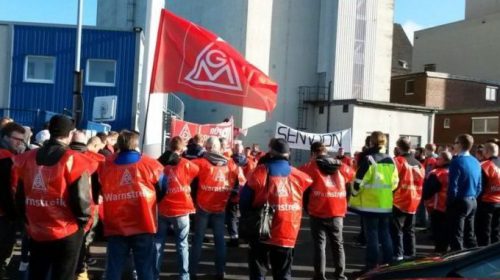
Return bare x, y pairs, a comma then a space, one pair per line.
78, 73
329, 105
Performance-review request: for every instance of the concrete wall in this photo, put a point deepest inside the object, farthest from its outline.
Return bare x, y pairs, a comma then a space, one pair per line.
394, 123
468, 48
5, 63
460, 123
480, 8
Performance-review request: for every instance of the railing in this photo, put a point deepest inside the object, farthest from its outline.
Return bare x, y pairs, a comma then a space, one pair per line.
313, 94
174, 106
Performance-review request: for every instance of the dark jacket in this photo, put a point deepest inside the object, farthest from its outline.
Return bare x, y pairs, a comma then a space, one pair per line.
169, 158
432, 185
193, 151
6, 196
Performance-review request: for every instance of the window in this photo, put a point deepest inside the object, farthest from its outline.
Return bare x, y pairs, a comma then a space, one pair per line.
489, 268
100, 72
446, 123
491, 93
345, 108
39, 69
321, 109
414, 140
430, 67
409, 87
485, 125
403, 64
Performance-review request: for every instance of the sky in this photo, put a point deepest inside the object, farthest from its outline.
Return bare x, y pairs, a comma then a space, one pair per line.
412, 14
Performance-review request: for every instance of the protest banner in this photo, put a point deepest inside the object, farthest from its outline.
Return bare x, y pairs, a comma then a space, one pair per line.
302, 140
187, 130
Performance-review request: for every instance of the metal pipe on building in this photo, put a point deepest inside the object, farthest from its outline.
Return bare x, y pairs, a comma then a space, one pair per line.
78, 73
329, 105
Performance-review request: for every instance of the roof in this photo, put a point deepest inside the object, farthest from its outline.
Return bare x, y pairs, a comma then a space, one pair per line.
385, 105
447, 76
58, 25
472, 110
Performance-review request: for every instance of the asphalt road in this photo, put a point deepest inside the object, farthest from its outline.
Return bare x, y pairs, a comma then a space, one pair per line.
237, 267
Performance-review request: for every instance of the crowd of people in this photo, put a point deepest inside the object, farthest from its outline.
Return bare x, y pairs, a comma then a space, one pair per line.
63, 185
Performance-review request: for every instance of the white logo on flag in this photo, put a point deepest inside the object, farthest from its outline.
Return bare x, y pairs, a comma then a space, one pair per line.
185, 133
126, 178
214, 64
38, 182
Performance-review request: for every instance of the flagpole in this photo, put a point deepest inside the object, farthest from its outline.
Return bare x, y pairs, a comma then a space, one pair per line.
145, 124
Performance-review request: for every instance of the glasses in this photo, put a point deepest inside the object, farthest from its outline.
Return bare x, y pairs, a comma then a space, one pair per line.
17, 138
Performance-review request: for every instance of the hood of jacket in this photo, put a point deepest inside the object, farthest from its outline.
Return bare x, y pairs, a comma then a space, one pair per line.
215, 159
193, 151
240, 159
328, 165
169, 158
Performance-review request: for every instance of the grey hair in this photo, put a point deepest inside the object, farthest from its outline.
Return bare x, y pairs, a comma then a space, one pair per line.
212, 144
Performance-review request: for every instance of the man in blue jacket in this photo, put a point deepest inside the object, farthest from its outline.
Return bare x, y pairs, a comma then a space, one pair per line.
464, 187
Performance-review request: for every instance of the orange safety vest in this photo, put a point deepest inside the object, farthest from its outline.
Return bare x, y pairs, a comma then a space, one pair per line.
215, 184
327, 196
438, 201
4, 153
491, 193
177, 201
429, 164
46, 193
409, 191
285, 195
93, 207
129, 196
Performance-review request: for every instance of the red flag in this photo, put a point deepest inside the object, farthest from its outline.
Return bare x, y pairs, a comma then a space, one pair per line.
194, 61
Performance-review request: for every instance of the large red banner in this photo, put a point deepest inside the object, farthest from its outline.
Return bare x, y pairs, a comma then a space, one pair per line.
194, 61
187, 130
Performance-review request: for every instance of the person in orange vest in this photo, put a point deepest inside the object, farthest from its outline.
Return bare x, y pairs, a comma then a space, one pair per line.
54, 196
216, 179
226, 150
283, 186
326, 203
406, 199
79, 144
245, 167
176, 206
109, 144
256, 152
129, 184
11, 141
488, 207
434, 195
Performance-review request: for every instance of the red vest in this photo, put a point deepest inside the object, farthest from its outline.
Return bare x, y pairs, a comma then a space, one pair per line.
47, 199
93, 207
429, 164
438, 201
129, 195
409, 192
491, 193
215, 184
4, 153
327, 196
243, 173
177, 201
285, 194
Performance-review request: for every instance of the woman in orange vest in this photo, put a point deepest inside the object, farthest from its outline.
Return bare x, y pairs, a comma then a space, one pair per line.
129, 183
434, 195
406, 199
488, 207
216, 179
282, 186
54, 193
326, 203
176, 206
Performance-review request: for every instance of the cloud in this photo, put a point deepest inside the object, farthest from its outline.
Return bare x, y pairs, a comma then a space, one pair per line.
410, 27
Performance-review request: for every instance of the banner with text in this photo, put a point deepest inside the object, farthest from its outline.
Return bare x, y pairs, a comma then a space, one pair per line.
187, 130
302, 140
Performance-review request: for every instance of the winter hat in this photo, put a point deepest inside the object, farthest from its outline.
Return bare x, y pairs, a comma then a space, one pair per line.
60, 126
279, 146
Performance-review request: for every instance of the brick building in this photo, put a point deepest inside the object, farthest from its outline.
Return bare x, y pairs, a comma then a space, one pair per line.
466, 105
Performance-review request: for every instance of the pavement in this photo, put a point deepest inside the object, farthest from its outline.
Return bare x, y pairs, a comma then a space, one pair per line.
236, 265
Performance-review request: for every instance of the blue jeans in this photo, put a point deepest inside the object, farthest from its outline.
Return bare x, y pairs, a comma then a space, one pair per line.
118, 250
202, 220
181, 229
376, 227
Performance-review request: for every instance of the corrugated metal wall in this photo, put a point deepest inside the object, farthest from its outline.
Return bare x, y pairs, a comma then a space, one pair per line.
60, 43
